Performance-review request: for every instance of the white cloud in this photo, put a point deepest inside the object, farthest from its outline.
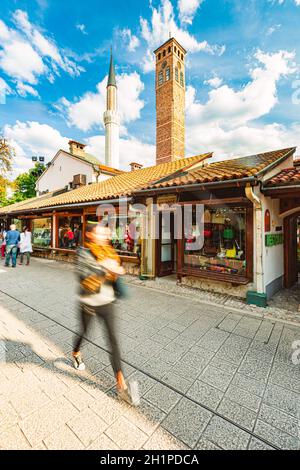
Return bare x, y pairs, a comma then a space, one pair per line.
32, 138
214, 82
87, 112
132, 41
131, 150
24, 89
81, 28
157, 32
26, 54
4, 90
255, 99
226, 123
273, 29
187, 10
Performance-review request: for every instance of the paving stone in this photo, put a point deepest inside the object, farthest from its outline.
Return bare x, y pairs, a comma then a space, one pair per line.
216, 377
79, 397
126, 435
237, 413
205, 394
226, 435
145, 382
29, 401
243, 398
162, 397
177, 382
256, 444
283, 399
252, 385
277, 437
108, 408
227, 367
14, 439
103, 442
280, 420
63, 439
204, 444
146, 417
87, 426
187, 421
157, 369
42, 423
163, 440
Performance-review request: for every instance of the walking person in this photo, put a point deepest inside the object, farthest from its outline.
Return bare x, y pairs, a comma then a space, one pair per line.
99, 269
25, 246
12, 241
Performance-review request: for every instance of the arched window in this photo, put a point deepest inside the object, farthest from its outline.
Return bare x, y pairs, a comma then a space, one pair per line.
167, 74
178, 53
169, 49
181, 56
159, 56
175, 48
160, 78
176, 74
181, 79
164, 53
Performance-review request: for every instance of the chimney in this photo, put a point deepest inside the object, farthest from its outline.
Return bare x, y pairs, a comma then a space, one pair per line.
135, 166
77, 148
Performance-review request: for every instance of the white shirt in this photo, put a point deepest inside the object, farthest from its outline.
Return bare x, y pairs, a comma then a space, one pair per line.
25, 243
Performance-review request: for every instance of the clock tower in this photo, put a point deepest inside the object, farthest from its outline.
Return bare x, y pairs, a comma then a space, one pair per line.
170, 101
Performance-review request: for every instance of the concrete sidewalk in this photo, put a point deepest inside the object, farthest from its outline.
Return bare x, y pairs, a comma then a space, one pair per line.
209, 378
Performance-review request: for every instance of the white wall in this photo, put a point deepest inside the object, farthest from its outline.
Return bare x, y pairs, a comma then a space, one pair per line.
61, 173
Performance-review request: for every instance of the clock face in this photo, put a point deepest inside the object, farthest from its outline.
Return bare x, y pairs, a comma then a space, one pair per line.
164, 64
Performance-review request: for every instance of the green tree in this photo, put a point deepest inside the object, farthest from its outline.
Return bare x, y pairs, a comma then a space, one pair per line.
25, 183
23, 186
7, 154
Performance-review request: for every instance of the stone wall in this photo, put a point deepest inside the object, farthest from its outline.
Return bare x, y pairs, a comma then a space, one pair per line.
219, 287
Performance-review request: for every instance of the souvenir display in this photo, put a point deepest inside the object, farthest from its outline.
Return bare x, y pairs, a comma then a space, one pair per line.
224, 238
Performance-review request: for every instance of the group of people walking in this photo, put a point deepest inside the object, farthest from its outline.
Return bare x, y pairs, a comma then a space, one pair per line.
14, 243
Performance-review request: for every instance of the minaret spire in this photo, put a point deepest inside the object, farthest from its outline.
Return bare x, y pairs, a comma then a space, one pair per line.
111, 119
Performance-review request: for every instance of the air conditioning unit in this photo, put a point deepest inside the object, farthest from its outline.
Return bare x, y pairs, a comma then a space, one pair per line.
79, 180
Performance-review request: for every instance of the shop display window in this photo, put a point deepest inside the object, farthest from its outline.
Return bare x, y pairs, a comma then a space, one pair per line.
70, 232
126, 233
41, 232
224, 241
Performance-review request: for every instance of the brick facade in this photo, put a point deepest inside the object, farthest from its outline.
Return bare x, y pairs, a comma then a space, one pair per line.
170, 102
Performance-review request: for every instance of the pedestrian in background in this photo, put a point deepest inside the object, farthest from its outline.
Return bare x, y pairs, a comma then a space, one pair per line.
12, 241
25, 246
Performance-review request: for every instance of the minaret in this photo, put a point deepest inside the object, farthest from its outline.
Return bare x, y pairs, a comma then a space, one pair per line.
111, 120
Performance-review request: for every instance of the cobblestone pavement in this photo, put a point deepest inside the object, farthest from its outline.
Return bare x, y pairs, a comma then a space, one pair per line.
210, 378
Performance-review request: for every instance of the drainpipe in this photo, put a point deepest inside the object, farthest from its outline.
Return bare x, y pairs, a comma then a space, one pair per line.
260, 294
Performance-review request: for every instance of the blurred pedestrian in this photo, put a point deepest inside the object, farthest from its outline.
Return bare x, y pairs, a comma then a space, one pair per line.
99, 269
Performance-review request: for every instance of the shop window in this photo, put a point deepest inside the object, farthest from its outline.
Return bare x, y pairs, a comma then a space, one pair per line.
223, 249
167, 74
126, 233
181, 79
160, 78
176, 74
41, 232
69, 232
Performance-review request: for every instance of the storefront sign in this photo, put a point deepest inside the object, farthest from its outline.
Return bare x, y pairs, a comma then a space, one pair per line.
273, 239
164, 202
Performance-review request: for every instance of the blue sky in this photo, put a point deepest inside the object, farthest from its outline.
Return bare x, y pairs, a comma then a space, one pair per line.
242, 74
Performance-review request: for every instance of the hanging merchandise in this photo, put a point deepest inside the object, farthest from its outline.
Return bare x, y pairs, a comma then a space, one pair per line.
216, 237
207, 217
207, 233
228, 233
231, 253
218, 218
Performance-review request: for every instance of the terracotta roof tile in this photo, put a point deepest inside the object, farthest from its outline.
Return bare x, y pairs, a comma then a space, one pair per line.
124, 184
235, 168
287, 177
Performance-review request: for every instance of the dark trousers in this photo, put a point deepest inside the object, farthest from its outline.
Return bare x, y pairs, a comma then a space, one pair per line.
106, 314
27, 255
